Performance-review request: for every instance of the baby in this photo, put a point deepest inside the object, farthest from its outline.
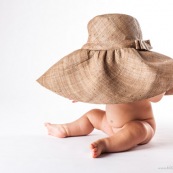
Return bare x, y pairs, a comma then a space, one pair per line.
114, 66
127, 125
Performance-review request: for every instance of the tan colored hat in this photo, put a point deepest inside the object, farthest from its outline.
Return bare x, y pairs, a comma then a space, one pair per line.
114, 66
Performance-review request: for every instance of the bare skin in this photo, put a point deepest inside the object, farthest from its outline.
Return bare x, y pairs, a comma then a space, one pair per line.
127, 125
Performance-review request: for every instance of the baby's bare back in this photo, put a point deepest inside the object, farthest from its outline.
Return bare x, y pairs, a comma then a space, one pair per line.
120, 114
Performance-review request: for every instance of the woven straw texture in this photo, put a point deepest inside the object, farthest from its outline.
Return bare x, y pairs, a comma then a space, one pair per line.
114, 66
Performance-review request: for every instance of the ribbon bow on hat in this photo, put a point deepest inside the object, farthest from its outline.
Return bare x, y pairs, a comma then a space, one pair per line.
143, 44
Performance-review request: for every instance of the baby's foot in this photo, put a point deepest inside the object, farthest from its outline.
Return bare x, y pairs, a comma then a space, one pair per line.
57, 130
98, 147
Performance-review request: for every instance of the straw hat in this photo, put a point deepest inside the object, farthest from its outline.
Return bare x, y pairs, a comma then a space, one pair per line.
114, 66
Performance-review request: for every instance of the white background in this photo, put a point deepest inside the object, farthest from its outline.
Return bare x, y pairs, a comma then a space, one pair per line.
35, 34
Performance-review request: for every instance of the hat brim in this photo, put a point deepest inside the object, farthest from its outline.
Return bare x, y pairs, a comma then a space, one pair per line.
110, 76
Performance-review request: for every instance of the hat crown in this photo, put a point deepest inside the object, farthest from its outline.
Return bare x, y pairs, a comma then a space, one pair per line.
110, 29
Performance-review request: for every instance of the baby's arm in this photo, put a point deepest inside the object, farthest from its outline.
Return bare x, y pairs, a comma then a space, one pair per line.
156, 98
169, 92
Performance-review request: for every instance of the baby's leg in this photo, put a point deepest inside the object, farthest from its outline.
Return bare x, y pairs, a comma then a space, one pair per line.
130, 135
83, 126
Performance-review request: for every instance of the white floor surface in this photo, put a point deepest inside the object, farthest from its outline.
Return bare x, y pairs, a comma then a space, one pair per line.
46, 154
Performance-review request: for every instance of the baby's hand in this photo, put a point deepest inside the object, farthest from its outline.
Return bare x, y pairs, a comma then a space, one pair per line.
73, 101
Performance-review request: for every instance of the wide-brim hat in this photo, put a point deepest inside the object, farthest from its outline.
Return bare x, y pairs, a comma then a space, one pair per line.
114, 66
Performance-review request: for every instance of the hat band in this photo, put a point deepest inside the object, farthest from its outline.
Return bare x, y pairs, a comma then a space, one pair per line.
137, 44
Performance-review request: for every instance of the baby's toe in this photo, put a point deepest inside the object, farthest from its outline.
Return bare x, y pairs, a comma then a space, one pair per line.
93, 145
47, 124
